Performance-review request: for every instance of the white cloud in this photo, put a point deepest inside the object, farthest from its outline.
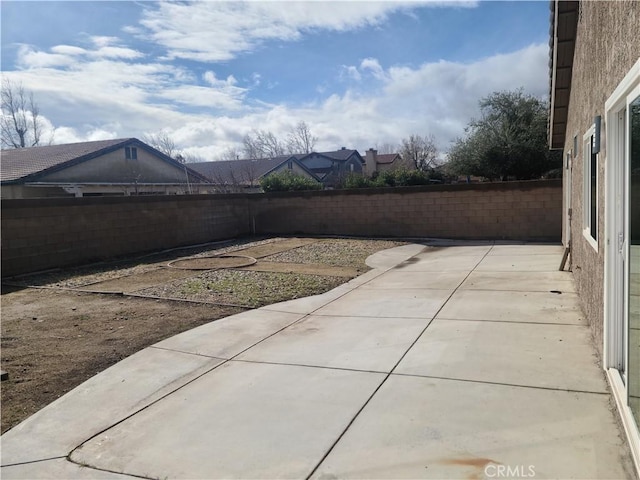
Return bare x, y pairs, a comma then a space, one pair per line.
350, 71
68, 50
211, 79
219, 31
106, 97
373, 65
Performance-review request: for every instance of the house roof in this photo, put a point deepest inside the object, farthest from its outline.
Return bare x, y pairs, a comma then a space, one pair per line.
342, 154
247, 171
23, 162
237, 171
27, 164
563, 28
387, 157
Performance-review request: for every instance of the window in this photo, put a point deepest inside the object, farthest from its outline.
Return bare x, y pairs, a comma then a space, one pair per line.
590, 189
131, 153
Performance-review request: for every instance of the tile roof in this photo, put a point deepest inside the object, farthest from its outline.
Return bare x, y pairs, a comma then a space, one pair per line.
22, 162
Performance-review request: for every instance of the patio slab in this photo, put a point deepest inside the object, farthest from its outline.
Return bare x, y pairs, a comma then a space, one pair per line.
520, 281
455, 250
229, 336
385, 259
407, 303
58, 468
399, 279
527, 249
512, 306
101, 401
520, 263
361, 343
242, 420
417, 427
539, 355
427, 262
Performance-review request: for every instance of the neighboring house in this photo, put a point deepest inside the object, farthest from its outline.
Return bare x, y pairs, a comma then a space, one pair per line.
232, 176
328, 168
105, 167
595, 120
382, 162
333, 167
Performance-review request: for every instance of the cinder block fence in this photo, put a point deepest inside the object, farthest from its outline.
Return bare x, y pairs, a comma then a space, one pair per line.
38, 234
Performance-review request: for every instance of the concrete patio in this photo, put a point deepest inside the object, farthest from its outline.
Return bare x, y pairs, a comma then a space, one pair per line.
452, 360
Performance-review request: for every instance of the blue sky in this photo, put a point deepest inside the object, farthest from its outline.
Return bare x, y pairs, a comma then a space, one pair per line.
360, 74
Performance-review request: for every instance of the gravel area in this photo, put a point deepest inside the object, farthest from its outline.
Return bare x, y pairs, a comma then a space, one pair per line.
76, 277
335, 251
250, 289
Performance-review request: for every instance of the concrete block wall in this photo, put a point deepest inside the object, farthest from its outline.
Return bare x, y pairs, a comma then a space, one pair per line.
38, 234
512, 210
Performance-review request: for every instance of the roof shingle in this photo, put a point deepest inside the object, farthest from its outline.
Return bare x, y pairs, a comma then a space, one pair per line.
22, 162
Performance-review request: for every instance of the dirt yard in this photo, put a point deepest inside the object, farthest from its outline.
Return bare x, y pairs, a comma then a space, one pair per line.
60, 328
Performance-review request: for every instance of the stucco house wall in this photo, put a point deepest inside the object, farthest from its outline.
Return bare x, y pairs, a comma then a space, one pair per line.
114, 167
600, 62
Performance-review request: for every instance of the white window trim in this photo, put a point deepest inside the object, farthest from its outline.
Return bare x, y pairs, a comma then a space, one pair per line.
586, 190
629, 86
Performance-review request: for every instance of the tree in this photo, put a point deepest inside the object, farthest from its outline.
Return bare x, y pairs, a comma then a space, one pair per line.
387, 148
231, 153
163, 142
20, 123
300, 139
421, 151
262, 144
508, 141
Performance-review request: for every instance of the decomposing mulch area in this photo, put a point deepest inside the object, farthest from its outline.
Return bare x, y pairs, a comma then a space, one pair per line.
59, 335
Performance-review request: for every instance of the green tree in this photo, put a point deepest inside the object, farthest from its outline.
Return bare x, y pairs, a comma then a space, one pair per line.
509, 141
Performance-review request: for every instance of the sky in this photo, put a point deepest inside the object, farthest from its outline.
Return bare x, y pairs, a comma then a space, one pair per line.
360, 74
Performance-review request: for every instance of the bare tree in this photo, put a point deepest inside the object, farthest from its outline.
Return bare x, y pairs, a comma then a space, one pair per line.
300, 139
387, 148
183, 157
21, 124
231, 153
421, 151
262, 144
163, 142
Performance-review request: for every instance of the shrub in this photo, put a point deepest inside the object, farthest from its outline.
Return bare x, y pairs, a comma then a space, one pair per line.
355, 180
288, 181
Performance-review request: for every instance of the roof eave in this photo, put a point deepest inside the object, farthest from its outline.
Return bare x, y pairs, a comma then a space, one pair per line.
563, 29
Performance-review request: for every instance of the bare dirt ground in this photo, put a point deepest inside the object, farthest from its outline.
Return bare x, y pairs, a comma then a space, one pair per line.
80, 321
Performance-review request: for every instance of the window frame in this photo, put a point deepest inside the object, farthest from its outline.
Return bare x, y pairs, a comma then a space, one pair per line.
130, 153
589, 203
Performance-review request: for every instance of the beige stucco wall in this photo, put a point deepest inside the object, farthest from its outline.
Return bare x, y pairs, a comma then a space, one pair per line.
607, 46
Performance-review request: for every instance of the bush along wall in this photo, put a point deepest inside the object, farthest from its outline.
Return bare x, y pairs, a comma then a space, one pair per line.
288, 181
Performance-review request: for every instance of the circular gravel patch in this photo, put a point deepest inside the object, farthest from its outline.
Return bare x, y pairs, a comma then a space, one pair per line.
213, 263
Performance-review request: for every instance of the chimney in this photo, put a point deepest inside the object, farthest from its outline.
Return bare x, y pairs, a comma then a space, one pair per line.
343, 148
371, 162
